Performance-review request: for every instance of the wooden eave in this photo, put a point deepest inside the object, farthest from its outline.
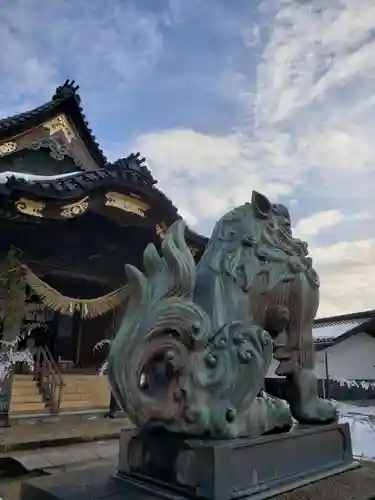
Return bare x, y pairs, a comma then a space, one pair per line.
126, 195
90, 189
367, 326
344, 318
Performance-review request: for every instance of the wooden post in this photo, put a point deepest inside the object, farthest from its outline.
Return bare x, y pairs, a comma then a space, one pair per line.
5, 396
79, 340
327, 374
76, 339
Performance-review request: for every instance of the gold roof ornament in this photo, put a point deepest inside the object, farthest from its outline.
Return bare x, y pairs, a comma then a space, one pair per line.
75, 209
7, 148
30, 207
126, 203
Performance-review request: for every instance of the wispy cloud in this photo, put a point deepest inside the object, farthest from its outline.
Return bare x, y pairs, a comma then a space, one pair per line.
223, 98
102, 44
309, 227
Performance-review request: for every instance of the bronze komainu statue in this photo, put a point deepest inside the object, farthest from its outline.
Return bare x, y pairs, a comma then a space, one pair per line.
196, 341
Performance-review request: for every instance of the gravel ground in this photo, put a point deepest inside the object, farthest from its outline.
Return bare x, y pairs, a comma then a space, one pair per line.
10, 488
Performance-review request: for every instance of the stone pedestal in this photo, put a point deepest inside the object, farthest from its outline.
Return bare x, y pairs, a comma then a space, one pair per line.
155, 466
232, 469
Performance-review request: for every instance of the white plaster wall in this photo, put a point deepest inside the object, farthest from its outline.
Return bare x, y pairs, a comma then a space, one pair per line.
351, 359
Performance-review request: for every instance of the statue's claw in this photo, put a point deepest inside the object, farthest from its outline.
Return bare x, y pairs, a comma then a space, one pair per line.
316, 411
268, 414
306, 406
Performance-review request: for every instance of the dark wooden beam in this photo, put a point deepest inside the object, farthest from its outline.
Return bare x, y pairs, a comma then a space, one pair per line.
44, 270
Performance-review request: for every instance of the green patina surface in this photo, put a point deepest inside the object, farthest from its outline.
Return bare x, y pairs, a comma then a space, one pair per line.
196, 342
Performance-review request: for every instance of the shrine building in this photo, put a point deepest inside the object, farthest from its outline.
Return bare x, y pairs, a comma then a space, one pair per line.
70, 220
73, 220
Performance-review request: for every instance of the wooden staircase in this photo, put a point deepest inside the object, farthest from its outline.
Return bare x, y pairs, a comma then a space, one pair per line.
26, 396
84, 392
48, 390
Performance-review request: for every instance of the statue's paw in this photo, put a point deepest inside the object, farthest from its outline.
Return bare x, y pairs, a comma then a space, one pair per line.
279, 416
316, 411
268, 414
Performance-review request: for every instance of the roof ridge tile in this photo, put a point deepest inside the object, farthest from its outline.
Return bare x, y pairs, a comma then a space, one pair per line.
67, 92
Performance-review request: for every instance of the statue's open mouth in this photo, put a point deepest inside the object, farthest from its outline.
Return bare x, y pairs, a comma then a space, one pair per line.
155, 377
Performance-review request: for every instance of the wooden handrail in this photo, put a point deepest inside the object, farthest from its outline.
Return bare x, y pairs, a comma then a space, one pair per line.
49, 379
54, 364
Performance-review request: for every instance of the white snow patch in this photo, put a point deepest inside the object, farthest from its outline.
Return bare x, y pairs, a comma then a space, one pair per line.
4, 176
361, 420
366, 385
334, 331
10, 356
99, 345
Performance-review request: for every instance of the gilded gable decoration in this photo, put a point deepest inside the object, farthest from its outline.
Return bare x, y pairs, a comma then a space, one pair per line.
60, 124
57, 151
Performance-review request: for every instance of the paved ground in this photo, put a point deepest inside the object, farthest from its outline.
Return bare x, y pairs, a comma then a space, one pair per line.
21, 462
10, 486
358, 484
36, 434
34, 448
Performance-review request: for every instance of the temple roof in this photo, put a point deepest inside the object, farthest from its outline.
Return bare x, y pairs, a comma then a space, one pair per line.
126, 183
333, 329
128, 172
65, 99
127, 179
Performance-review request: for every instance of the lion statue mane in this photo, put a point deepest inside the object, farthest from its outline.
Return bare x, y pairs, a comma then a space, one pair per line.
197, 341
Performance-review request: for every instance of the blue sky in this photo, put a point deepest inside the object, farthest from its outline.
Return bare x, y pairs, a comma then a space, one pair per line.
224, 97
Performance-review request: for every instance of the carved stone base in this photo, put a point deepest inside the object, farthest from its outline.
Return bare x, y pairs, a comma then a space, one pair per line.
175, 468
258, 468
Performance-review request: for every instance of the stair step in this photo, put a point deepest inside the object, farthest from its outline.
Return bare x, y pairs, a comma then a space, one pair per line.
68, 389
25, 387
26, 398
86, 384
82, 405
24, 383
19, 392
94, 383
84, 378
27, 407
85, 392
93, 390
78, 396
